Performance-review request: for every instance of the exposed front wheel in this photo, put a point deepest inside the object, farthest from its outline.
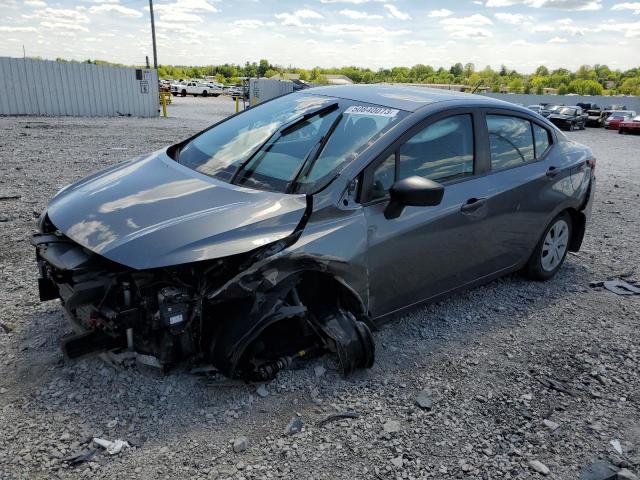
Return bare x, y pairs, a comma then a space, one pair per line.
183, 93
549, 254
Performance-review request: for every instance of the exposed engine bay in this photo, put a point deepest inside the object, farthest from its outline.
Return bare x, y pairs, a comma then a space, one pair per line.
240, 314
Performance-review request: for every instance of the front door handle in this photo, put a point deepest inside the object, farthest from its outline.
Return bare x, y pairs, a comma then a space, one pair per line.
473, 204
552, 172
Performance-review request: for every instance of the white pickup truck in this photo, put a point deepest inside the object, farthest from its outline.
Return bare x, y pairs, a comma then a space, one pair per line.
195, 89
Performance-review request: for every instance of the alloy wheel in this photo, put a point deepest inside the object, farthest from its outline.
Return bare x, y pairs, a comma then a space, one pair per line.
555, 245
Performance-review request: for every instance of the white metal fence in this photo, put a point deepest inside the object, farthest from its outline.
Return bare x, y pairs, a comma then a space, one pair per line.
42, 87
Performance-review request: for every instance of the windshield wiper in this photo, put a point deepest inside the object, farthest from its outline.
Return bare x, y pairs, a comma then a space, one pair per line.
283, 130
314, 154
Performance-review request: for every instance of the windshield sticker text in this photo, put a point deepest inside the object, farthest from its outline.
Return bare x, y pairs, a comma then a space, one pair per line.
377, 111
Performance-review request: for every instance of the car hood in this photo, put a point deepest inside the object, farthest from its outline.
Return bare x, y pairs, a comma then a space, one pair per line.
559, 116
153, 212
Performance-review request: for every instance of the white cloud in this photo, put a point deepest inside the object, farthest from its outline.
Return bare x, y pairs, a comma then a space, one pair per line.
185, 6
6, 29
295, 19
467, 27
359, 15
635, 6
35, 3
557, 40
115, 8
574, 5
630, 29
181, 17
415, 43
512, 18
361, 30
249, 23
441, 13
355, 2
395, 13
543, 28
63, 26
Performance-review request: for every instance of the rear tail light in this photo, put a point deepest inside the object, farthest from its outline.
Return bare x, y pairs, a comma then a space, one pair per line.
592, 163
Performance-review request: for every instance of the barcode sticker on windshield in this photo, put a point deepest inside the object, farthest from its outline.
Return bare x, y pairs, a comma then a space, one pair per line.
378, 111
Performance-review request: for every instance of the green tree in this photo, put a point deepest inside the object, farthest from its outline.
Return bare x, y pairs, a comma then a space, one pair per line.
562, 89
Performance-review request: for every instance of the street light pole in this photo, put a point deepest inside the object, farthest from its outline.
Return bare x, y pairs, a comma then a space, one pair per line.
153, 36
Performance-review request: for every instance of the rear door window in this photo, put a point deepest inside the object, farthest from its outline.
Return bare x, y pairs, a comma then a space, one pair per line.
541, 138
510, 141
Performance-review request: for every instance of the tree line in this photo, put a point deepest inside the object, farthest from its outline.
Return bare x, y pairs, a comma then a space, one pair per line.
586, 80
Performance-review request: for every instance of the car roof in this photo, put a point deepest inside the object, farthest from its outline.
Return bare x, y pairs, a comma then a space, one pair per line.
410, 99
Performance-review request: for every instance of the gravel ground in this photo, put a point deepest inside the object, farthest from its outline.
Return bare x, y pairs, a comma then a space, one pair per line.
513, 374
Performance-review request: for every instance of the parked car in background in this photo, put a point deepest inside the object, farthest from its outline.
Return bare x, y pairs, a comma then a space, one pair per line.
195, 89
613, 121
541, 109
535, 108
568, 118
283, 232
587, 106
596, 118
236, 91
631, 125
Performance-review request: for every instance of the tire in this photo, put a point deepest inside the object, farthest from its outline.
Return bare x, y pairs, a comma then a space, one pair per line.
621, 131
175, 94
546, 258
183, 93
583, 127
571, 127
204, 93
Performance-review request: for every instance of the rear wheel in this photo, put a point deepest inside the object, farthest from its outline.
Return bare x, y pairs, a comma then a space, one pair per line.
549, 254
204, 93
183, 93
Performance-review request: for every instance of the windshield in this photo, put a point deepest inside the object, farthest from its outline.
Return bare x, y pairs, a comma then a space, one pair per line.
567, 111
294, 143
594, 113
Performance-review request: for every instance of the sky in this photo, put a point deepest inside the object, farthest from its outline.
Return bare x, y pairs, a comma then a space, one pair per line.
521, 34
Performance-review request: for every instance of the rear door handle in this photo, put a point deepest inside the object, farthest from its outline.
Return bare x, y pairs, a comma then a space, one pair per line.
473, 204
552, 172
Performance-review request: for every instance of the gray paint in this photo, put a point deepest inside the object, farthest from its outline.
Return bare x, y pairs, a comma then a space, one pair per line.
153, 212
632, 103
43, 87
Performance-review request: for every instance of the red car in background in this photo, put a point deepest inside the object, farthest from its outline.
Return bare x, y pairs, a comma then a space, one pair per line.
613, 121
631, 125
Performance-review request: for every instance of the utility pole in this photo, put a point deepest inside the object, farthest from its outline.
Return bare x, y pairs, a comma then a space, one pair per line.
153, 36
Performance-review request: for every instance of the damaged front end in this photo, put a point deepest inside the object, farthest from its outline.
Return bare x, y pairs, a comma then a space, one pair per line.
250, 315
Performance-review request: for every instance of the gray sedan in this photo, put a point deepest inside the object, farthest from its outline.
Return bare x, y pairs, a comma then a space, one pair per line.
291, 229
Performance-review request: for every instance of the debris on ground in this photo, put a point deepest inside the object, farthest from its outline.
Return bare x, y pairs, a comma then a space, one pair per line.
294, 426
319, 371
615, 443
240, 444
392, 426
262, 391
556, 385
80, 457
551, 425
539, 467
112, 448
424, 400
5, 327
338, 416
599, 471
618, 286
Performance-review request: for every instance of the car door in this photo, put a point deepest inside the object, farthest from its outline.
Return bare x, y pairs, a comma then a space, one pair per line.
526, 182
427, 251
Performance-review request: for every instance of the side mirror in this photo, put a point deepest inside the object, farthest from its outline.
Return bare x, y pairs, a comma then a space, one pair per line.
413, 191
